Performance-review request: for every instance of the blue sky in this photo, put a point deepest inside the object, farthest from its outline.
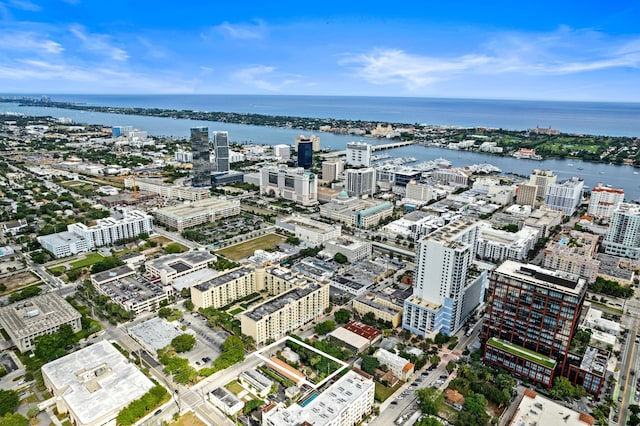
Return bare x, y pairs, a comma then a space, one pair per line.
561, 50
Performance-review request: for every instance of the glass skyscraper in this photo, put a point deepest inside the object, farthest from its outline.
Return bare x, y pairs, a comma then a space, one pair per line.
201, 156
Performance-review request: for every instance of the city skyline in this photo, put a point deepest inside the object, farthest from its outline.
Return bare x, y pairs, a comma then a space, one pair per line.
546, 51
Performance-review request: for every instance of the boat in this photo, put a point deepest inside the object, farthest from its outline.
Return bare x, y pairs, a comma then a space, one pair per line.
569, 165
635, 173
580, 168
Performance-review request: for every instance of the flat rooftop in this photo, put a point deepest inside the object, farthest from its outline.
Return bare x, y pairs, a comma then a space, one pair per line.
112, 274
279, 302
536, 410
96, 381
130, 290
61, 238
193, 278
557, 280
36, 314
222, 279
197, 208
176, 262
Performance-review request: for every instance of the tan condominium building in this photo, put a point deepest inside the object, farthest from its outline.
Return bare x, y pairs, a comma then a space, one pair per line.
25, 320
279, 316
241, 282
196, 213
383, 308
356, 212
309, 230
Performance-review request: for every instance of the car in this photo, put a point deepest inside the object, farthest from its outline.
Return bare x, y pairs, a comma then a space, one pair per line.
157, 412
394, 402
620, 398
197, 362
615, 418
632, 373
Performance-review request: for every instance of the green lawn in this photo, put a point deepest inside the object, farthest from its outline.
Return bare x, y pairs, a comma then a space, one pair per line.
522, 352
88, 260
234, 387
236, 311
383, 392
246, 249
59, 269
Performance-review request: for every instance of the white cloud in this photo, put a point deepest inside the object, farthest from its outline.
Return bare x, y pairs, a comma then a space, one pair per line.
99, 43
25, 5
29, 41
253, 31
265, 78
564, 51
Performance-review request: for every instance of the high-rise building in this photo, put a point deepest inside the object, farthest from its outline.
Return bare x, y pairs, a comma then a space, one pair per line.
332, 169
359, 154
201, 151
532, 314
315, 141
221, 151
542, 178
604, 201
305, 154
282, 151
565, 196
527, 194
623, 237
361, 181
445, 289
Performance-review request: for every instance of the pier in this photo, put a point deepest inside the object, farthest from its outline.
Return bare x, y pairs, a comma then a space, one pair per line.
374, 148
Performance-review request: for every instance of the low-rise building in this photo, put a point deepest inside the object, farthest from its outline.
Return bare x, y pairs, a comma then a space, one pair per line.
497, 244
286, 312
198, 212
174, 192
172, 266
311, 231
94, 384
399, 366
257, 382
44, 314
353, 248
226, 401
534, 409
382, 308
346, 402
544, 219
356, 212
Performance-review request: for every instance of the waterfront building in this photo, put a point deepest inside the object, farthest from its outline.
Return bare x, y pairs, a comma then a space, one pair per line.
359, 154
565, 196
110, 230
604, 200
201, 152
446, 287
450, 177
293, 184
332, 169
623, 237
63, 244
221, 151
173, 192
497, 245
305, 154
92, 385
288, 311
574, 254
348, 401
542, 179
311, 231
531, 316
188, 215
360, 181
282, 151
353, 248
356, 212
315, 142
25, 320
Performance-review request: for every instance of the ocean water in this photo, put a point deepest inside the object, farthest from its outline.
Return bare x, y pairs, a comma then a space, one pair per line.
597, 118
358, 108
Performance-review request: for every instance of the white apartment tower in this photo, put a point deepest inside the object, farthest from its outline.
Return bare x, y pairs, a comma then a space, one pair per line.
604, 201
359, 154
623, 238
565, 196
282, 151
444, 290
360, 181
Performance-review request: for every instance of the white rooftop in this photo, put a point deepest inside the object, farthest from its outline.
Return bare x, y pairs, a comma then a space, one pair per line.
538, 411
98, 380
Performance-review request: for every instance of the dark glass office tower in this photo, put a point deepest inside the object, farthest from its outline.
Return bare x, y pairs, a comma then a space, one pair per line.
305, 154
201, 157
221, 150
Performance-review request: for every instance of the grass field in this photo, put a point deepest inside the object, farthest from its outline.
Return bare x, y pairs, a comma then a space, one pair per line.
383, 392
88, 260
242, 250
189, 419
236, 311
234, 387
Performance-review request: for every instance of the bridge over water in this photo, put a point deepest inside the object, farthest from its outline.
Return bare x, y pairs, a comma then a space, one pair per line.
374, 148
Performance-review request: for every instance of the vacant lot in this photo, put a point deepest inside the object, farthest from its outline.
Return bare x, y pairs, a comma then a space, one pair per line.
19, 280
189, 419
88, 260
245, 249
